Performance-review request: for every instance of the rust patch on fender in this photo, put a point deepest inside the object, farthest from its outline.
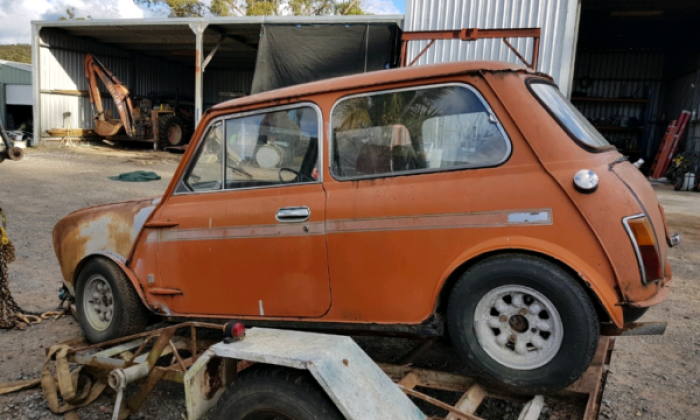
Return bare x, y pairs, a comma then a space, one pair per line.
108, 229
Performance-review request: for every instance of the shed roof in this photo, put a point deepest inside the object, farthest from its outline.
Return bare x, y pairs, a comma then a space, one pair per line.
18, 66
172, 39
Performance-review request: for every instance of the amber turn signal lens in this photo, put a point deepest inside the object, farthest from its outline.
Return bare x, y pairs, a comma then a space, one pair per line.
644, 242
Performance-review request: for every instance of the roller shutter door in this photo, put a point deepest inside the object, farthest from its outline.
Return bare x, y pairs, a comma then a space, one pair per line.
19, 95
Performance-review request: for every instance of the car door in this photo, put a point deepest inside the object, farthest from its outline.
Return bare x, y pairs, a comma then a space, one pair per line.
413, 175
249, 211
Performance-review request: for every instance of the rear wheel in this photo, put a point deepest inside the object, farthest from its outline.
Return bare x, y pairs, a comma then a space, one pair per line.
171, 131
266, 392
523, 322
107, 305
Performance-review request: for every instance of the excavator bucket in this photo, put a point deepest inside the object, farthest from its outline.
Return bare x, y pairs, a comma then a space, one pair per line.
108, 128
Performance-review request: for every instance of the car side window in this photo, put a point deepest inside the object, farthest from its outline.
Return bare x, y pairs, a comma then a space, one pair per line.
206, 173
418, 130
276, 147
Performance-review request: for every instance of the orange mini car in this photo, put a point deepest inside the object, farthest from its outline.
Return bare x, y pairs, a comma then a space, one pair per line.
465, 199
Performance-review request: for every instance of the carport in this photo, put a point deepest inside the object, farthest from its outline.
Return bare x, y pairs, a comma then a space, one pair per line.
203, 61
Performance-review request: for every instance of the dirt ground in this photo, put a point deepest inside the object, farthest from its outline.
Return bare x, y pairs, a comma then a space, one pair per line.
650, 378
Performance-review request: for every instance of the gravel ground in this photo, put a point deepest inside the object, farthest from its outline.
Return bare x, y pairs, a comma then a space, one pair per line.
650, 378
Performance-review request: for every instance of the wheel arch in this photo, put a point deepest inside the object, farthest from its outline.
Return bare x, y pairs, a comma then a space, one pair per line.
603, 295
116, 259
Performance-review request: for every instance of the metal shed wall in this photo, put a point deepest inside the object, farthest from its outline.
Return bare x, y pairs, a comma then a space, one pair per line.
557, 18
13, 76
683, 93
10, 76
61, 69
621, 75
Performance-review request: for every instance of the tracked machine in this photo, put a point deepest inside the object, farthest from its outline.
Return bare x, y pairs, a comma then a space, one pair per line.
159, 118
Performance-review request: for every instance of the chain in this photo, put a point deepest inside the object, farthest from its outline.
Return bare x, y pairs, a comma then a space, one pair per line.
9, 310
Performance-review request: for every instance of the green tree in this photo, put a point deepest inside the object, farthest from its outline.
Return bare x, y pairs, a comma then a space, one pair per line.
70, 15
178, 8
262, 7
197, 8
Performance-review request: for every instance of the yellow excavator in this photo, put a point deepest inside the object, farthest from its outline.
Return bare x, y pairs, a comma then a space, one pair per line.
154, 119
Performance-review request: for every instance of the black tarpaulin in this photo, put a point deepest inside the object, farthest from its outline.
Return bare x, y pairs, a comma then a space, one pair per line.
293, 54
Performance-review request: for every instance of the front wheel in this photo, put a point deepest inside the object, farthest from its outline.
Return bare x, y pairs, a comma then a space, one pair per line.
523, 322
266, 392
107, 305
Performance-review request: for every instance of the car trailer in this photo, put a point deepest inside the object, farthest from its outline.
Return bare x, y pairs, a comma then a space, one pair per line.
360, 388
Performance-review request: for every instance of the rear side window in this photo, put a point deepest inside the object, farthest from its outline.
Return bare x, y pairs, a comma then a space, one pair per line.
573, 121
418, 130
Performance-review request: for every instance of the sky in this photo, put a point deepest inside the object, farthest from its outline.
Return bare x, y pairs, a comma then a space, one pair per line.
15, 15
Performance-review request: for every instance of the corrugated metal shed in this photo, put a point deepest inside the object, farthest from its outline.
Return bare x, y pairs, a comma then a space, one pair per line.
633, 82
150, 55
557, 18
12, 73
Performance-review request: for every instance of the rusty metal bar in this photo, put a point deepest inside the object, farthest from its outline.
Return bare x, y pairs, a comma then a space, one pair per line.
176, 354
536, 53
430, 44
138, 351
152, 333
404, 53
517, 54
193, 343
144, 390
438, 403
473, 34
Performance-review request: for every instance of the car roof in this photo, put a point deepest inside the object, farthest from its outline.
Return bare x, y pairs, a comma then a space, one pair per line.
379, 77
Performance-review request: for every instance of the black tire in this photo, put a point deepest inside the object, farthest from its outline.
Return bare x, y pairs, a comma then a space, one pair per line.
266, 392
579, 326
175, 124
128, 315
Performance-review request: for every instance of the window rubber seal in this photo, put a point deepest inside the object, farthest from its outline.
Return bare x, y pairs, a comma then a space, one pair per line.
592, 149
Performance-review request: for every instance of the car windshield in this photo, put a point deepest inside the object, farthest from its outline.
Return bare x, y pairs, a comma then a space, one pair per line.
568, 115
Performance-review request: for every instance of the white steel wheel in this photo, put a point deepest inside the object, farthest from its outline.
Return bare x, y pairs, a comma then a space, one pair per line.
98, 304
107, 305
518, 327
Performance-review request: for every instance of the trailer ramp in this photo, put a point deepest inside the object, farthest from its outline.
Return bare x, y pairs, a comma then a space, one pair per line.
360, 389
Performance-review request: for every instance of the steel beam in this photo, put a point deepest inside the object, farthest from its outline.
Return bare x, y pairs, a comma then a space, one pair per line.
198, 28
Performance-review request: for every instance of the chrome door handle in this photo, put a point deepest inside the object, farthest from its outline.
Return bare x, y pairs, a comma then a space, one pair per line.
293, 214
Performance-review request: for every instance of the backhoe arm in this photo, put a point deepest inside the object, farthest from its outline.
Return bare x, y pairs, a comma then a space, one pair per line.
119, 92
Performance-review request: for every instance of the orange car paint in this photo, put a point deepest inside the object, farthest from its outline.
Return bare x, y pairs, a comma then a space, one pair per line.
380, 251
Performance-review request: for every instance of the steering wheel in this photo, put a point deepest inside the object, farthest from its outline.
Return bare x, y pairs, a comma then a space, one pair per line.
299, 176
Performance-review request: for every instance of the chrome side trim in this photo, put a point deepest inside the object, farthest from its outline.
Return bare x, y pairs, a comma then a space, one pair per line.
486, 219
640, 263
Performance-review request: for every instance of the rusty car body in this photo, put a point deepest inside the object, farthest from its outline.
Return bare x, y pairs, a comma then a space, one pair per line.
385, 225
